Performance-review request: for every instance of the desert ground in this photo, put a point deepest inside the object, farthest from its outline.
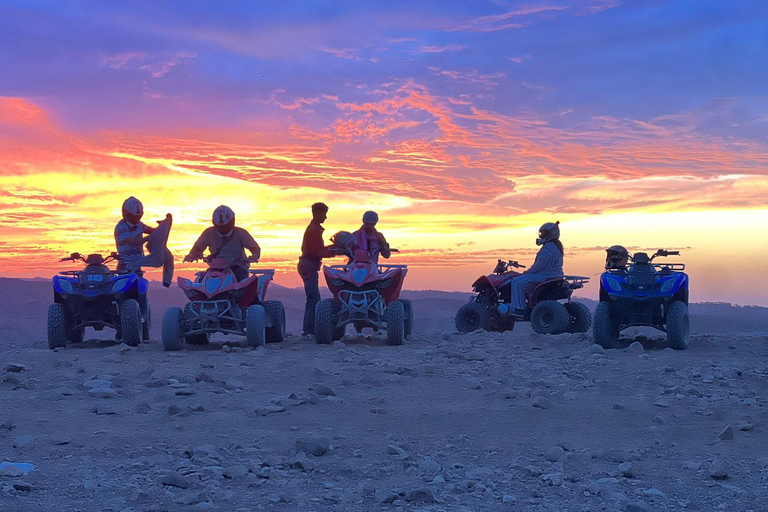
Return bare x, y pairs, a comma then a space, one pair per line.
447, 422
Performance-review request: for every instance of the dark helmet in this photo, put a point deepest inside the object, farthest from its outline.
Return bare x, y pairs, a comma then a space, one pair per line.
548, 232
616, 258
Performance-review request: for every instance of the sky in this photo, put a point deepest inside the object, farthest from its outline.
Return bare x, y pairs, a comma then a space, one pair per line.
465, 125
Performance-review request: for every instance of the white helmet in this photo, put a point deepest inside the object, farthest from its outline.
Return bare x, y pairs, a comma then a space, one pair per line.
223, 215
133, 206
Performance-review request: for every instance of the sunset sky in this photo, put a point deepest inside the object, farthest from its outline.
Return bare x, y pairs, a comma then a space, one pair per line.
465, 124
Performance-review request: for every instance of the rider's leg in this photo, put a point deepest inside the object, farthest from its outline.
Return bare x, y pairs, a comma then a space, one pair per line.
520, 286
311, 278
240, 273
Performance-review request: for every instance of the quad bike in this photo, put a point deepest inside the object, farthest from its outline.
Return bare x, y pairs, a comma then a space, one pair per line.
365, 295
98, 297
644, 293
491, 306
219, 303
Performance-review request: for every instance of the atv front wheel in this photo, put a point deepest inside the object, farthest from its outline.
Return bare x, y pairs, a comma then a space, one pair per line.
605, 331
394, 315
550, 317
255, 326
173, 326
408, 309
130, 322
473, 316
57, 326
325, 322
276, 314
678, 325
581, 318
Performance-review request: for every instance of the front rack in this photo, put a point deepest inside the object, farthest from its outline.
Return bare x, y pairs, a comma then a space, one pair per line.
381, 268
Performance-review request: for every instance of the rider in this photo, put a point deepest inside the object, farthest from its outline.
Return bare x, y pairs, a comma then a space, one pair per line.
226, 241
549, 263
370, 239
129, 234
313, 250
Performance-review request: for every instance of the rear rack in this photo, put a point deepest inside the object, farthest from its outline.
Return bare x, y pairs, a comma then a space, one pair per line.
576, 282
670, 267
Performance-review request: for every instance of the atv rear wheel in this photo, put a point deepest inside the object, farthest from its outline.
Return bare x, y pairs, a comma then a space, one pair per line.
173, 327
604, 330
581, 318
326, 312
276, 315
550, 317
473, 316
57, 326
408, 309
394, 315
678, 325
255, 326
130, 322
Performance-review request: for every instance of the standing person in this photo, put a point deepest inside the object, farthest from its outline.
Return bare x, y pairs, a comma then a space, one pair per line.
549, 263
371, 240
129, 235
226, 241
313, 250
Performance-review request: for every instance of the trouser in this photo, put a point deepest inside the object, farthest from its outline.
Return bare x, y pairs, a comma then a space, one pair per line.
241, 273
310, 275
523, 284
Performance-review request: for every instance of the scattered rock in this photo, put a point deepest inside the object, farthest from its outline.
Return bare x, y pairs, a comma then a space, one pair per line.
420, 495
234, 384
637, 506
726, 434
595, 349
12, 471
316, 446
142, 408
541, 402
718, 470
269, 409
635, 348
22, 486
186, 391
323, 390
174, 480
25, 443
14, 368
555, 454
532, 471
653, 492
430, 467
103, 393
625, 470
173, 410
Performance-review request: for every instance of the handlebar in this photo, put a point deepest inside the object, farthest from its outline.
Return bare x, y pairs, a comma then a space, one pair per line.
664, 253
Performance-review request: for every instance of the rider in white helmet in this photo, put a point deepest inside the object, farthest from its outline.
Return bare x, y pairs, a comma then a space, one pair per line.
549, 263
225, 240
129, 233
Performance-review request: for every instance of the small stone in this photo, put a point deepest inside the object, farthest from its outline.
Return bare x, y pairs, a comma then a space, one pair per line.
532, 471
726, 434
397, 451
25, 443
481, 473
142, 408
186, 391
595, 349
22, 486
618, 407
430, 467
638, 506
234, 384
718, 470
691, 390
509, 499
541, 402
553, 479
653, 492
12, 471
420, 495
660, 402
173, 410
103, 393
625, 470
555, 454
174, 480
635, 348
323, 390
14, 368
269, 409
203, 377
316, 447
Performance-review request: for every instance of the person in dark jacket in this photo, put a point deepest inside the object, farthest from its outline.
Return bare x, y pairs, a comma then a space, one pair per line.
549, 263
313, 250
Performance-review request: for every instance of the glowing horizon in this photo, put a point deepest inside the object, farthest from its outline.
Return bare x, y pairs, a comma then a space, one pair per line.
465, 131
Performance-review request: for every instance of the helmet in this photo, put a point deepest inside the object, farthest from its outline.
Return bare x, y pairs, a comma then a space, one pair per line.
343, 242
548, 232
224, 220
133, 210
616, 258
223, 215
370, 217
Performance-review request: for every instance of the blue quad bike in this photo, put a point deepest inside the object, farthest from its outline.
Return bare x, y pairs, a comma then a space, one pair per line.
98, 297
644, 293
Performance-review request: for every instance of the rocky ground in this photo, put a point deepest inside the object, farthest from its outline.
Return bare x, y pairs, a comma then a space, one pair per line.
448, 422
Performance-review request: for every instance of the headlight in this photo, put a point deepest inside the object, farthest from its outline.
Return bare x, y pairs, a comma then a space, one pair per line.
65, 286
613, 284
385, 284
668, 285
337, 282
119, 285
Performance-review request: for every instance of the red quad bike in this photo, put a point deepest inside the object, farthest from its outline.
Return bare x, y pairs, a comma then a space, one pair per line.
365, 295
219, 303
491, 308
